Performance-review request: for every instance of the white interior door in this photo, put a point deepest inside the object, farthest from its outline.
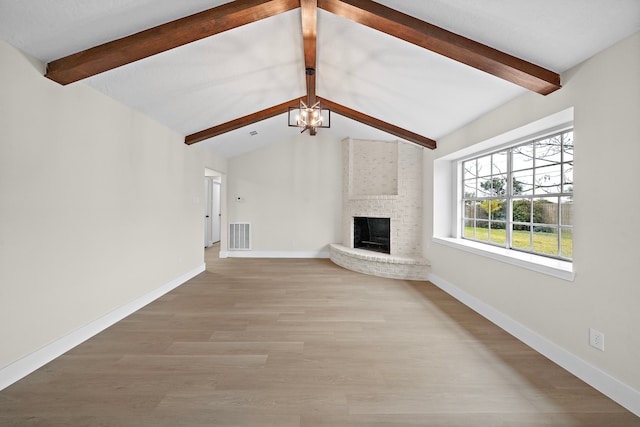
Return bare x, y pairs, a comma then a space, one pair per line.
215, 212
208, 215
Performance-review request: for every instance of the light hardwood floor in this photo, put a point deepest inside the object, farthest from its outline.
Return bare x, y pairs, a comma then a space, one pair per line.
256, 342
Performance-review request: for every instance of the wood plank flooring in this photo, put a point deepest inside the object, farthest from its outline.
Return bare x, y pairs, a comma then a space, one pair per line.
255, 342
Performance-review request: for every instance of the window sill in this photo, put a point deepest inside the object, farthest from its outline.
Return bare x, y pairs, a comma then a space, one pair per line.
552, 267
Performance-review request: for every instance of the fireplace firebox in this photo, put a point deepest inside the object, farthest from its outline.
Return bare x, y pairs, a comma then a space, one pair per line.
373, 234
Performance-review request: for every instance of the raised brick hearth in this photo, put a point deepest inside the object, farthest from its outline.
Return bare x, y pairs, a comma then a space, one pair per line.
379, 264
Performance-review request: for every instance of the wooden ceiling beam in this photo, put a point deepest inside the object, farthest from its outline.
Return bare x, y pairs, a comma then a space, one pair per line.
241, 122
378, 124
164, 37
443, 42
309, 15
295, 103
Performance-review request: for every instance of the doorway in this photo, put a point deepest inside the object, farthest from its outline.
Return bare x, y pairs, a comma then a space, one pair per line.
212, 207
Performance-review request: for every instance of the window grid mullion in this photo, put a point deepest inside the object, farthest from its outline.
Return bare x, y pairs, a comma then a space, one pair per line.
475, 204
562, 192
509, 200
558, 217
491, 198
533, 194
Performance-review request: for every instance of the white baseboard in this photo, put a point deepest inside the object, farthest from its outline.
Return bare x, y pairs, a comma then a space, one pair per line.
274, 254
598, 379
26, 365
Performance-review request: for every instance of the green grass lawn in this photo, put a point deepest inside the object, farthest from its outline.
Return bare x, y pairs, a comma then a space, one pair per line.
543, 243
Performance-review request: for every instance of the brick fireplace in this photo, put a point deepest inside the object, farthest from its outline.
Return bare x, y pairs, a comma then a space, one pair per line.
383, 179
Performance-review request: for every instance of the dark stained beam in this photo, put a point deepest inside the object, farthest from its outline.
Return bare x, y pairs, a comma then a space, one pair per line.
310, 74
311, 87
241, 122
334, 107
443, 42
167, 36
309, 15
378, 124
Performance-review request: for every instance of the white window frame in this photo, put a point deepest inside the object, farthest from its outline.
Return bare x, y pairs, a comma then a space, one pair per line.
447, 189
509, 197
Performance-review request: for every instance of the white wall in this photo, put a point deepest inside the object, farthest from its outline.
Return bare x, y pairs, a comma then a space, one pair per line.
217, 164
605, 295
291, 193
99, 206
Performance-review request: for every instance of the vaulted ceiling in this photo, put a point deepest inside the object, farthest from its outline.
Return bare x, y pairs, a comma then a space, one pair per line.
214, 71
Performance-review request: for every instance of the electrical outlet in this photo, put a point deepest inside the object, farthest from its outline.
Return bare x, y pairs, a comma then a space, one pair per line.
596, 339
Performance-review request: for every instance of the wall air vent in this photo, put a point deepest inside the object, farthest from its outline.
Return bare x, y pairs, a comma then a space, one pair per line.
240, 236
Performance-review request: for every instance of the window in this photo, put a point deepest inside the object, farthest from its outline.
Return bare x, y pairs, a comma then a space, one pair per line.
457, 229
521, 197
